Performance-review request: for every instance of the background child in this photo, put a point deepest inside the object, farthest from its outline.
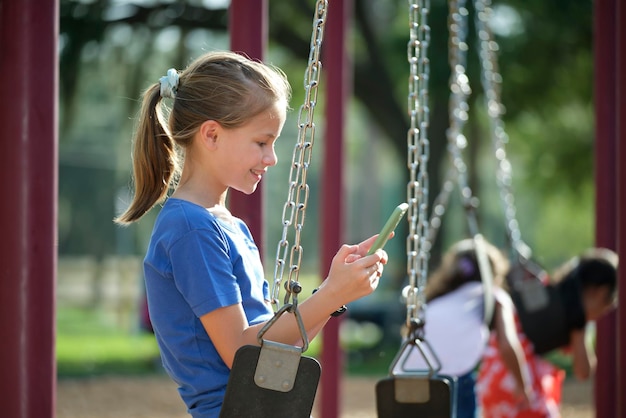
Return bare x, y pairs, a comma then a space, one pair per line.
205, 285
455, 325
587, 288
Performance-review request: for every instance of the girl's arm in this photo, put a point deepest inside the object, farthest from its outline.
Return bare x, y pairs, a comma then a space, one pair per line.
584, 359
510, 347
352, 275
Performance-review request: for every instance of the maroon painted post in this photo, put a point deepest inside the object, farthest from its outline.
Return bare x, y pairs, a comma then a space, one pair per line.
620, 34
247, 27
337, 71
28, 167
605, 78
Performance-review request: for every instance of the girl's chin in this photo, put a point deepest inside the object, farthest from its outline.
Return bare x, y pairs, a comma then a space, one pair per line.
247, 190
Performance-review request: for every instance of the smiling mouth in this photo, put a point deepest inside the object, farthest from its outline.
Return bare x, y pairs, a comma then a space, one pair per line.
257, 174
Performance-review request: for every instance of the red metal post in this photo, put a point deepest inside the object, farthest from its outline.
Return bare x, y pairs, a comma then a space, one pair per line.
247, 27
338, 82
28, 134
606, 190
620, 52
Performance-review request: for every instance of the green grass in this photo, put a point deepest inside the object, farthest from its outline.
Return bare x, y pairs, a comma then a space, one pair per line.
375, 362
88, 344
562, 361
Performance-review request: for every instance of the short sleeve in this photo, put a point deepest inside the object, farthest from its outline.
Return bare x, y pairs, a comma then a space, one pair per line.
203, 271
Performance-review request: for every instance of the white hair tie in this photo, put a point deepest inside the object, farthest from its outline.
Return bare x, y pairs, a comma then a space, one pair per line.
169, 84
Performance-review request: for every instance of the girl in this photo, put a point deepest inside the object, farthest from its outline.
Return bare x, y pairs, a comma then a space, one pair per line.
587, 288
455, 326
206, 291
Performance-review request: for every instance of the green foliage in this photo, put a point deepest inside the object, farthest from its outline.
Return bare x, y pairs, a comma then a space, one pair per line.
545, 60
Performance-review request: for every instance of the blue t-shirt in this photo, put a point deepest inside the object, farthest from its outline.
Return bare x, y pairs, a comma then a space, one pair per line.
196, 263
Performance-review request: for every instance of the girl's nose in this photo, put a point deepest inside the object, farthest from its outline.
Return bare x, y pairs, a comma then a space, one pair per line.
270, 158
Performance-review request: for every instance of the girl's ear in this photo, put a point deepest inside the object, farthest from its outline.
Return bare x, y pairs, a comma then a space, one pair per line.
208, 133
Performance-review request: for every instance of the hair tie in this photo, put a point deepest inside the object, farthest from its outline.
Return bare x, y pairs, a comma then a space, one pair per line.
467, 267
169, 84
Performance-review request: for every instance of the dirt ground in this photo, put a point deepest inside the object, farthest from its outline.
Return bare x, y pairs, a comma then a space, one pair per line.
156, 397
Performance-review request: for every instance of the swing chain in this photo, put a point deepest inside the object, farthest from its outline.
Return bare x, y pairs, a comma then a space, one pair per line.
491, 82
439, 206
460, 90
418, 247
295, 206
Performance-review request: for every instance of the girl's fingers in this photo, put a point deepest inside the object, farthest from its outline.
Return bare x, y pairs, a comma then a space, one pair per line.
374, 271
364, 246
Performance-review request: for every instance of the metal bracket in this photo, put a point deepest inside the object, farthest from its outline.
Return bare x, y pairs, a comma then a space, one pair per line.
412, 390
534, 294
277, 366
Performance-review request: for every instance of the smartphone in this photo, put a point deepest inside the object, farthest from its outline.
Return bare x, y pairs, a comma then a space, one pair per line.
390, 225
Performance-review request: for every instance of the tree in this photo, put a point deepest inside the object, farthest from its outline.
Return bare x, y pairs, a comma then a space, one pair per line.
545, 57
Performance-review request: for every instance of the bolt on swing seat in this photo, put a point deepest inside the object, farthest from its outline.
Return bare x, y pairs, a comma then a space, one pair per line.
274, 379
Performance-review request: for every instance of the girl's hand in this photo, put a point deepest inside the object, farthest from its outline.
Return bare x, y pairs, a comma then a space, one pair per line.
352, 274
367, 244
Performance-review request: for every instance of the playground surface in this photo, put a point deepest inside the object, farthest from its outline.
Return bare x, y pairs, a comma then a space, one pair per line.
156, 397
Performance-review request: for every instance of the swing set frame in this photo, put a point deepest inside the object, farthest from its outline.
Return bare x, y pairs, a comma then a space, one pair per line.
29, 30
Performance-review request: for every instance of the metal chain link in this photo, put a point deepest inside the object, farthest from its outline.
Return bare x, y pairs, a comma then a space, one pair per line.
295, 207
491, 82
458, 106
458, 110
440, 205
418, 144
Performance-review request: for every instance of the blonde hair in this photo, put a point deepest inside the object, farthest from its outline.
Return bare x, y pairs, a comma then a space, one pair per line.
459, 266
222, 86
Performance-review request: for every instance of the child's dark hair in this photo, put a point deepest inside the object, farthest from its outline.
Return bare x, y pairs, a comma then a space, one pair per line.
459, 266
596, 267
222, 86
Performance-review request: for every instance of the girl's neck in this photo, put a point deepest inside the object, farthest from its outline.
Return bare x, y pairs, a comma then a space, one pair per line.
200, 197
197, 184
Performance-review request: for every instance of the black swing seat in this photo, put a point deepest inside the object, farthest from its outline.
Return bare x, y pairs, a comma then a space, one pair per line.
540, 307
412, 392
416, 397
273, 381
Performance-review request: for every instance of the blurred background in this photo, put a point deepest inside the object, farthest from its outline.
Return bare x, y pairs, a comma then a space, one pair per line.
111, 50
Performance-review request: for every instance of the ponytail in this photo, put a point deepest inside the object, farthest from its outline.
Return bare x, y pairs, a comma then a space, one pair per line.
155, 161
